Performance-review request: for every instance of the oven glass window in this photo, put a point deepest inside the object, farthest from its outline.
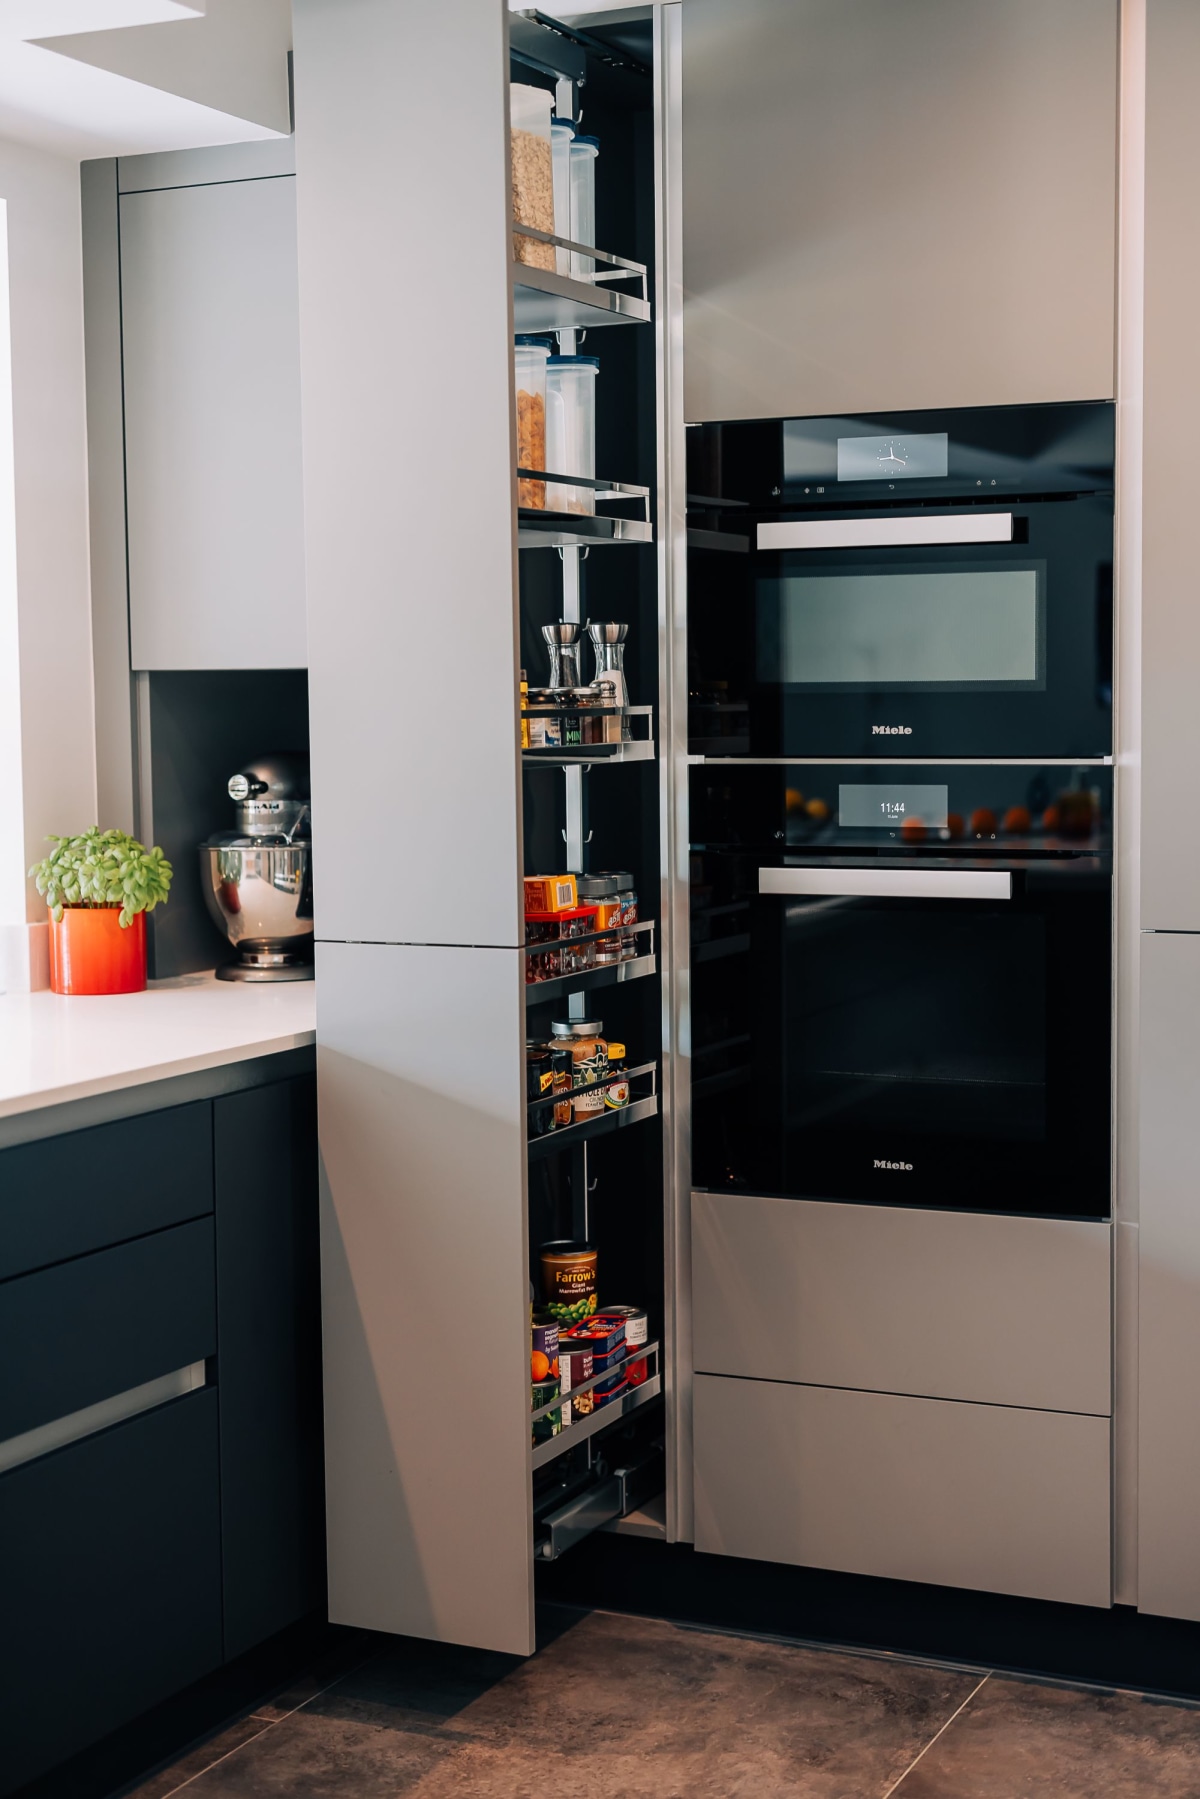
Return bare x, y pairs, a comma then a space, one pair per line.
947, 628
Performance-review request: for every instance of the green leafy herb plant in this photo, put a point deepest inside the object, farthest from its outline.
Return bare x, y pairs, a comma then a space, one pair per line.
102, 868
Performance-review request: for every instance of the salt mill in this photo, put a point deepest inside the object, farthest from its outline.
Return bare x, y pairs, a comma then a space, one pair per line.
608, 642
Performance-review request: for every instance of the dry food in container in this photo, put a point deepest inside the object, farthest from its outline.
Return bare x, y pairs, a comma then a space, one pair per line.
571, 430
532, 173
545, 728
562, 134
584, 151
568, 1280
563, 930
603, 892
530, 355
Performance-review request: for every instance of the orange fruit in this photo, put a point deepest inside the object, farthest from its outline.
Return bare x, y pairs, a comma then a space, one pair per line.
983, 822
793, 799
1050, 819
954, 824
1017, 820
913, 830
540, 1365
817, 810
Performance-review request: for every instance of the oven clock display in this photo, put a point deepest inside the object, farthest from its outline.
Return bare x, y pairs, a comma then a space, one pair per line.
893, 459
909, 805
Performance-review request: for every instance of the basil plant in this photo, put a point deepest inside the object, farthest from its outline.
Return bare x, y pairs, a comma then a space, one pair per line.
102, 868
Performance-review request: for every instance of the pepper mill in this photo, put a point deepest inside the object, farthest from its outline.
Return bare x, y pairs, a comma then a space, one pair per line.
564, 642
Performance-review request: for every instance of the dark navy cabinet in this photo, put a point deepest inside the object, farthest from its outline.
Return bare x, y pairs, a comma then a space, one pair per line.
160, 1413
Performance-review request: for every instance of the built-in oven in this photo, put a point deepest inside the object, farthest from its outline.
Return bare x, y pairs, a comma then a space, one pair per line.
928, 584
901, 984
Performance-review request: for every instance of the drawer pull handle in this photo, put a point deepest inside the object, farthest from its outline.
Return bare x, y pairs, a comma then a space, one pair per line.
889, 883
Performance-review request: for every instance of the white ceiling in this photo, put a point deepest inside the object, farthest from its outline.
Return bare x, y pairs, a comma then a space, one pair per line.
127, 76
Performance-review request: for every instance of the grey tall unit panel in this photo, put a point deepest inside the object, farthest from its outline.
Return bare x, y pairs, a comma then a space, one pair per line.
1170, 898
211, 381
1168, 1470
897, 204
409, 462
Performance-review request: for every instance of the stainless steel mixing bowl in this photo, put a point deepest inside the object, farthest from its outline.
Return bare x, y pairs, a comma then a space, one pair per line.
260, 895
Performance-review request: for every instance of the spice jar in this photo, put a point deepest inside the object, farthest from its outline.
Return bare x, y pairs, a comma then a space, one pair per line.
532, 176
539, 1085
530, 356
563, 1064
524, 691
589, 1054
625, 897
545, 727
603, 892
616, 1094
563, 930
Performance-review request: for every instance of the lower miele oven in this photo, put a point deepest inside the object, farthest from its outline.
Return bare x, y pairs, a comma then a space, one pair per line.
901, 984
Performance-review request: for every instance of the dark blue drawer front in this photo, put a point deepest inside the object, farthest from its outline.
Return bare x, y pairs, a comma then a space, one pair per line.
95, 1327
110, 1567
64, 1196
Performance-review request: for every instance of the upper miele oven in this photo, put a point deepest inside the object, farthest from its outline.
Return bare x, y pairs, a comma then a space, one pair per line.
933, 584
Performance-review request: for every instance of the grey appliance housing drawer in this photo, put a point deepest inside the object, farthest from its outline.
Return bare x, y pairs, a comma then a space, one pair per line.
946, 1305
983, 1496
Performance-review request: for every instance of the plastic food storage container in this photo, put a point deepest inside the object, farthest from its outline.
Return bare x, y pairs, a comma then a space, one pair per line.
571, 429
532, 172
562, 136
530, 356
583, 202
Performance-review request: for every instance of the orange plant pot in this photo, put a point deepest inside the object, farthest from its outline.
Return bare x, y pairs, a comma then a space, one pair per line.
91, 953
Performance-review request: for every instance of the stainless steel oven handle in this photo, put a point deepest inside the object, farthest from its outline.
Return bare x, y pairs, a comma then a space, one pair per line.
889, 883
853, 533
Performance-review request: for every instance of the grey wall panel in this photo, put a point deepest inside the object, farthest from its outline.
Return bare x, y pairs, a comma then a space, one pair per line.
950, 1305
1170, 583
897, 203
218, 162
913, 1489
212, 421
106, 494
1169, 1284
425, 1278
409, 462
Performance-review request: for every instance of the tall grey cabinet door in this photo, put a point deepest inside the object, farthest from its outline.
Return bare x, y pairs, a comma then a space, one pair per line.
897, 204
1170, 613
1169, 1279
211, 348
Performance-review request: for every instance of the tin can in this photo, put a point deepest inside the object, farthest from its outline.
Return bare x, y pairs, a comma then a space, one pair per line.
637, 1332
543, 1392
604, 1334
544, 1353
616, 1093
563, 1064
539, 1085
576, 1367
569, 1280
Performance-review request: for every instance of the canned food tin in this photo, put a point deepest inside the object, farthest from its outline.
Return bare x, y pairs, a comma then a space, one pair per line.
604, 1333
543, 1391
544, 1353
637, 1332
575, 1368
569, 1280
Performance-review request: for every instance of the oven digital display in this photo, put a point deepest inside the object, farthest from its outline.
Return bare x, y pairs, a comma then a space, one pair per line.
902, 456
881, 808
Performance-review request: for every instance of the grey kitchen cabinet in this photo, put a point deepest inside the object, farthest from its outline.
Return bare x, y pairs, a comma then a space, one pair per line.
987, 1496
1169, 1279
211, 376
942, 1305
897, 204
1170, 642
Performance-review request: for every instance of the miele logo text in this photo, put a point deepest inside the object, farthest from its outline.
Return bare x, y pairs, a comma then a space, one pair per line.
905, 1167
891, 730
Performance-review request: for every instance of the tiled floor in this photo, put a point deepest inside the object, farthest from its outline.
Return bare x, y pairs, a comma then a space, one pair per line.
630, 1708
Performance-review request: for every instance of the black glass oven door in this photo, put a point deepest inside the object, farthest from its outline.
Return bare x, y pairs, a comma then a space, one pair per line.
904, 1035
875, 642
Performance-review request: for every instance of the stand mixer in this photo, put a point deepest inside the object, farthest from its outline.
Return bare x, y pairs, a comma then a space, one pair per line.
257, 879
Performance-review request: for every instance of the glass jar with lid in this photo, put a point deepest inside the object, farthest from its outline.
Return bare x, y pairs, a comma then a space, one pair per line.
585, 1039
603, 891
625, 898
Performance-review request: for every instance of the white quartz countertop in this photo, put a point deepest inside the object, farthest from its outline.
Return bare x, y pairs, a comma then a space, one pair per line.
54, 1049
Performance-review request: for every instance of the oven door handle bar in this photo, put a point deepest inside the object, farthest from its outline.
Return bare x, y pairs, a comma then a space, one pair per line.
888, 883
854, 533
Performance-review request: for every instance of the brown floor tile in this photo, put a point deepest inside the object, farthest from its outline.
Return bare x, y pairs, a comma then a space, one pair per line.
360, 1647
157, 1786
1018, 1740
622, 1707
